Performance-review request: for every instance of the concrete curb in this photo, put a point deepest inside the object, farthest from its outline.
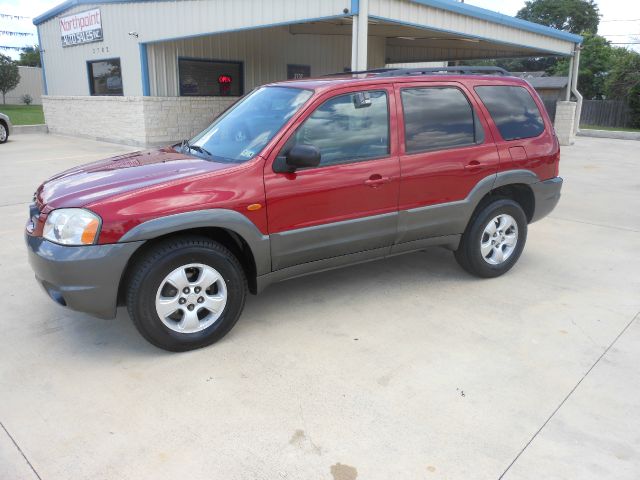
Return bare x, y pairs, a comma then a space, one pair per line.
609, 134
19, 129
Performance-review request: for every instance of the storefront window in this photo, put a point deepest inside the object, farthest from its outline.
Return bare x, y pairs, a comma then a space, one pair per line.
210, 78
105, 77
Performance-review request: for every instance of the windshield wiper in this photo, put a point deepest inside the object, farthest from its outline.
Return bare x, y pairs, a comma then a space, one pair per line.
197, 148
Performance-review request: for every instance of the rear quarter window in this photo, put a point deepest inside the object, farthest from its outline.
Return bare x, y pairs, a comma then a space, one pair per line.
513, 110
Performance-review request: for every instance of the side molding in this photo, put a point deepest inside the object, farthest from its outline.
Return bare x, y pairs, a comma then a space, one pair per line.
221, 218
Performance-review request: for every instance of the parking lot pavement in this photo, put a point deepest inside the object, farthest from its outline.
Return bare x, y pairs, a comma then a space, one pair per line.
406, 368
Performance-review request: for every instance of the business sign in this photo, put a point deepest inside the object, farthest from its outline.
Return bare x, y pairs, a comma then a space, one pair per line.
82, 27
296, 72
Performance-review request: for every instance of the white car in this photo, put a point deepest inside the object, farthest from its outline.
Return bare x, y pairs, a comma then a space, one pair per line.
5, 127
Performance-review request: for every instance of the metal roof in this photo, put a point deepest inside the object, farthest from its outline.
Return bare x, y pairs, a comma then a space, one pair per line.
548, 82
447, 5
491, 16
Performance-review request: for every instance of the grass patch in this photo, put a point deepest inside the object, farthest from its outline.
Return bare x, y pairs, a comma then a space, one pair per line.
23, 114
610, 129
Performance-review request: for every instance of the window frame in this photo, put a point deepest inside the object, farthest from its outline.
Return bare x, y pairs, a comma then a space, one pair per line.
495, 124
212, 60
313, 108
90, 77
478, 127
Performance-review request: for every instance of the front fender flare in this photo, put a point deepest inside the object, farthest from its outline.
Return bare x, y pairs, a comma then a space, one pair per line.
217, 217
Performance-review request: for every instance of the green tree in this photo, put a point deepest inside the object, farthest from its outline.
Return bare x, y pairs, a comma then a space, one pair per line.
9, 75
596, 59
623, 81
30, 57
575, 16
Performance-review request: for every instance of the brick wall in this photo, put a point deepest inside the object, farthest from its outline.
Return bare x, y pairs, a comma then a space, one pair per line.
141, 121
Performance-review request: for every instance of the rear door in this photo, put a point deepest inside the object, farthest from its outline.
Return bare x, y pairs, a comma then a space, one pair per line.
349, 202
446, 149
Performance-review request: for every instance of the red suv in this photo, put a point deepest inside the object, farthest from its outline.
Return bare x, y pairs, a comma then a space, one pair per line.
295, 178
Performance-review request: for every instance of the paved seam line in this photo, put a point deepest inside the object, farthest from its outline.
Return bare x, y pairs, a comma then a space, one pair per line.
624, 229
20, 450
569, 394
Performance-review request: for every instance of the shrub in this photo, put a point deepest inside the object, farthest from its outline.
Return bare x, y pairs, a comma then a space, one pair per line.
27, 99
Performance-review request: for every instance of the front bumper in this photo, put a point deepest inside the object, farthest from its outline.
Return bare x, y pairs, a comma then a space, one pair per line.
84, 278
547, 195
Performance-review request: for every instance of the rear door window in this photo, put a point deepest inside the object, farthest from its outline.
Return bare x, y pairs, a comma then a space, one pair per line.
513, 110
437, 118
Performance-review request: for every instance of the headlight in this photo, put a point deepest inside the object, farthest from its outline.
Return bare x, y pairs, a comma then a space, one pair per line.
72, 226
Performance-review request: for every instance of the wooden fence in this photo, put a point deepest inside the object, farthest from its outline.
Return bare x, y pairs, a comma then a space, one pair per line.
605, 113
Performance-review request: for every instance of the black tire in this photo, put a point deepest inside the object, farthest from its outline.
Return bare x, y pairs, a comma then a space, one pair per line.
469, 254
6, 130
153, 267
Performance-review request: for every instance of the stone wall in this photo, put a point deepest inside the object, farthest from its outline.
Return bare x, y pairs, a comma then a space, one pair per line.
140, 121
170, 119
564, 122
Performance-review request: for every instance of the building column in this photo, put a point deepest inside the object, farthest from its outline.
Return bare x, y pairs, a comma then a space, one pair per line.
354, 44
564, 122
359, 37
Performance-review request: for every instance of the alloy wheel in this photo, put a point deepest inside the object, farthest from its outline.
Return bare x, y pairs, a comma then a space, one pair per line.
499, 239
191, 298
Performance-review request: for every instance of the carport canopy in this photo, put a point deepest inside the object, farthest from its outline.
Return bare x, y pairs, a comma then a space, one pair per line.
409, 30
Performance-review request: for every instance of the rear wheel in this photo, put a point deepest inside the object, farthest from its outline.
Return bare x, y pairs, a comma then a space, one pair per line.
494, 239
186, 293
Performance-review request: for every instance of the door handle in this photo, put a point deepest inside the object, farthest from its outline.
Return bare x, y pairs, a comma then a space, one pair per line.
473, 165
376, 180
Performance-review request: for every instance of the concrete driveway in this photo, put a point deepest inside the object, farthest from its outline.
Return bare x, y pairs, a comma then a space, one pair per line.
406, 368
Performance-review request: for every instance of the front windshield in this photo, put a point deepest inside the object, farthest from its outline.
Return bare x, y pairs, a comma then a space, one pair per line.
243, 131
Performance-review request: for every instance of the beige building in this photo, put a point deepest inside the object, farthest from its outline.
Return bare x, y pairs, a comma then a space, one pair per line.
156, 71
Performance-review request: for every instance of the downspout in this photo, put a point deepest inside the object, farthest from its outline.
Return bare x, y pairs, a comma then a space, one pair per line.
569, 79
574, 88
44, 72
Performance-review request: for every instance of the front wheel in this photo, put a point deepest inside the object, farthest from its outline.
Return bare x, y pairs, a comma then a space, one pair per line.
494, 239
186, 293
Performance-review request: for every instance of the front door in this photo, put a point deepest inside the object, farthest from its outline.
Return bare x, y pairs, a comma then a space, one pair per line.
349, 202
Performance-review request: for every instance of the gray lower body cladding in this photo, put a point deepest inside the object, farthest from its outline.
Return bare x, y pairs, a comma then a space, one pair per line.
87, 278
84, 278
547, 196
304, 245
325, 247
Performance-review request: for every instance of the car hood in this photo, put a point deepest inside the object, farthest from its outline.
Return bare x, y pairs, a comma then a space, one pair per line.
96, 181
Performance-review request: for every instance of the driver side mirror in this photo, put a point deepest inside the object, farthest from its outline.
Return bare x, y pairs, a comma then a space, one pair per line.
300, 156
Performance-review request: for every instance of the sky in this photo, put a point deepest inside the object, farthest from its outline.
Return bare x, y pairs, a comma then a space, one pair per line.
620, 20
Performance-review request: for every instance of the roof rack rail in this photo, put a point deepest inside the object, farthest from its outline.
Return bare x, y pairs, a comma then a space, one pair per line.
398, 72
349, 72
